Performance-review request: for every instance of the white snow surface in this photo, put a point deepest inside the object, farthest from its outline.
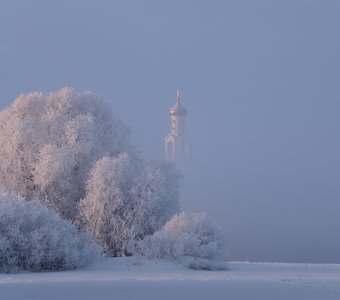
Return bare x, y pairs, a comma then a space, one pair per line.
129, 278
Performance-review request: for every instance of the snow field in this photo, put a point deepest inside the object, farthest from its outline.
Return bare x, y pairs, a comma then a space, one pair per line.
128, 278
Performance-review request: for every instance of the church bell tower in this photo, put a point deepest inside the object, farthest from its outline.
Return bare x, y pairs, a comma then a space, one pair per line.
177, 141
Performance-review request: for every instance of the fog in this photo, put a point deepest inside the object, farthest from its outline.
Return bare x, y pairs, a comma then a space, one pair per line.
260, 80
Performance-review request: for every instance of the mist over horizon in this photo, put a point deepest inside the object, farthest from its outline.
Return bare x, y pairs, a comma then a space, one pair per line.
260, 81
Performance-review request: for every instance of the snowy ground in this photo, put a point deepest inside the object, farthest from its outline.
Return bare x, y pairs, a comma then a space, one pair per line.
124, 278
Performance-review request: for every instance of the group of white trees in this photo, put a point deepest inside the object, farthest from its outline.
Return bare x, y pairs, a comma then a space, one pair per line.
68, 151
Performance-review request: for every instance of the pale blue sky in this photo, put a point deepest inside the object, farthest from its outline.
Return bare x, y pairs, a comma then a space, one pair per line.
260, 80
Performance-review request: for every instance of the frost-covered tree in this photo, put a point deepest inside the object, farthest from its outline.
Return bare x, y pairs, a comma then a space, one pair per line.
33, 238
104, 206
193, 239
126, 199
50, 142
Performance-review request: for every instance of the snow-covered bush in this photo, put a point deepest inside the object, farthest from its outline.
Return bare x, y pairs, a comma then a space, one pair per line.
33, 238
48, 144
127, 198
193, 239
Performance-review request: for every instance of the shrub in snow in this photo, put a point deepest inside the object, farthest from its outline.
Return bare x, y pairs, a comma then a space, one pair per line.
35, 239
126, 199
193, 239
49, 143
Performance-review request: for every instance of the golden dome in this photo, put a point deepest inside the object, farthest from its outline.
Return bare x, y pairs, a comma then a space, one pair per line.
178, 109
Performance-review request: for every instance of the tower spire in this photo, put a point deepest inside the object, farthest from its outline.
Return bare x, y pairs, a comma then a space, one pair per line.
177, 141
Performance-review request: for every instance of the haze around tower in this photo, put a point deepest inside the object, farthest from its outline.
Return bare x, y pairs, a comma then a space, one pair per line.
260, 80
